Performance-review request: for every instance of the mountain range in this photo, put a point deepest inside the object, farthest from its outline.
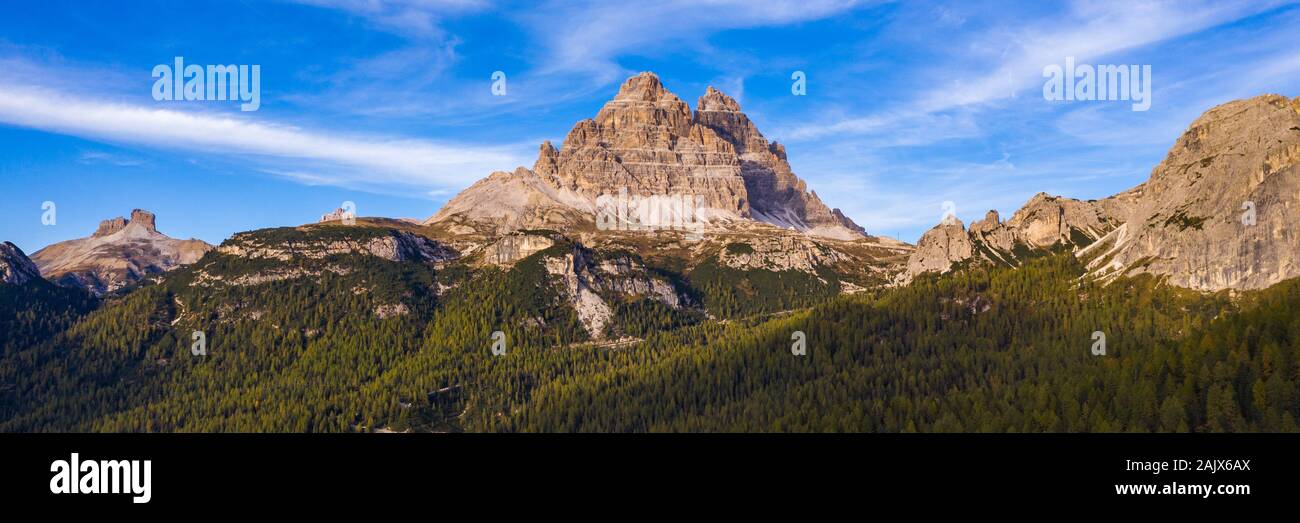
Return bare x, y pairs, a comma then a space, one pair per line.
1214, 215
622, 263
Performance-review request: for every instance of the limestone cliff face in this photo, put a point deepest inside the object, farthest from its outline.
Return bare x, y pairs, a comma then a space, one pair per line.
939, 248
15, 267
590, 286
646, 143
1046, 220
590, 279
120, 252
993, 233
776, 195
645, 139
511, 248
1221, 210
779, 253
1218, 213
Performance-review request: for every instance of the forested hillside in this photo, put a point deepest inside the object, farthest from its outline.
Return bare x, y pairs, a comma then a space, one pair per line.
36, 310
976, 350
980, 349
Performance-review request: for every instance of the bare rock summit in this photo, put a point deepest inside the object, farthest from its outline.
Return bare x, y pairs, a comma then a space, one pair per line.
647, 144
120, 252
1221, 211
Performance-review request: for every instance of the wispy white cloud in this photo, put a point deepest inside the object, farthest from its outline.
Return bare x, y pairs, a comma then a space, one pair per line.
590, 36
1013, 59
101, 157
396, 83
1093, 30
1263, 63
890, 129
411, 18
576, 48
405, 79
333, 158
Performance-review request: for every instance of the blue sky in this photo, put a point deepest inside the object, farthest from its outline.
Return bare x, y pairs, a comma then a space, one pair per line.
388, 104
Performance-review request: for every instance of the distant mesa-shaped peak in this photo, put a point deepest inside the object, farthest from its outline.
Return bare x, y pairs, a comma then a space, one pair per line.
121, 251
139, 218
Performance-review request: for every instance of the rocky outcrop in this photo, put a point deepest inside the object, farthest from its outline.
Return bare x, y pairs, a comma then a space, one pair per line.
392, 245
1044, 222
1220, 211
939, 248
589, 285
778, 253
1217, 213
337, 215
389, 310
110, 226
511, 248
592, 310
120, 252
15, 267
648, 145
993, 233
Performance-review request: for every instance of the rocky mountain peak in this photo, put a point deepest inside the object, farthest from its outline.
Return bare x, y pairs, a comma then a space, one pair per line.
715, 100
548, 162
644, 87
643, 110
1220, 210
991, 223
110, 226
15, 267
119, 252
546, 150
143, 219
721, 114
647, 143
940, 247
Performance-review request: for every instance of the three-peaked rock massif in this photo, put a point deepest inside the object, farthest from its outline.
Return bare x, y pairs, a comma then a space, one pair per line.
646, 143
1220, 212
15, 267
723, 195
119, 253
